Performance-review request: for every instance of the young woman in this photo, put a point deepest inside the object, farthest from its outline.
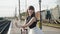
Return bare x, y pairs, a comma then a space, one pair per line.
31, 22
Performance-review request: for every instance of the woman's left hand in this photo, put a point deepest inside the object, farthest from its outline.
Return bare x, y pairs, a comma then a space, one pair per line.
23, 26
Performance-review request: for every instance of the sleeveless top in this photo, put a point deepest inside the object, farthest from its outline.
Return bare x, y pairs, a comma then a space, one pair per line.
33, 24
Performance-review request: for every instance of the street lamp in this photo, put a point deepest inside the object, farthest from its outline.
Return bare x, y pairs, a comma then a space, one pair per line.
19, 10
40, 15
15, 12
25, 6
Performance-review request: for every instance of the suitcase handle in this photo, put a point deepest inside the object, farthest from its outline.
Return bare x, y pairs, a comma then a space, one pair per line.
26, 31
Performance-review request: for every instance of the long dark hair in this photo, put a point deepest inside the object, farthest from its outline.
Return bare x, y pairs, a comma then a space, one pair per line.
31, 8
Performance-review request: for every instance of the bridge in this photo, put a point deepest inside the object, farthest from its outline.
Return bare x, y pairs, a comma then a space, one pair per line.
4, 26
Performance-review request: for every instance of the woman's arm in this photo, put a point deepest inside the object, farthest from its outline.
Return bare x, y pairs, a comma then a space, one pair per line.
24, 22
20, 25
30, 22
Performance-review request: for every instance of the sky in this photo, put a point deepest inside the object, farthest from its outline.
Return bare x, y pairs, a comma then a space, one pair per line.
7, 7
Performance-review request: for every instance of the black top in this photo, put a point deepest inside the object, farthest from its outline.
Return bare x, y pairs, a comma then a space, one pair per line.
33, 24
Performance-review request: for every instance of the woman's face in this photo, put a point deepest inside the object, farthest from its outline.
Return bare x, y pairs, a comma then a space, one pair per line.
30, 12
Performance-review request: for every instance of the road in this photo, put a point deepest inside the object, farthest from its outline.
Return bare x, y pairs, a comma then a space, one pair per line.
50, 30
46, 29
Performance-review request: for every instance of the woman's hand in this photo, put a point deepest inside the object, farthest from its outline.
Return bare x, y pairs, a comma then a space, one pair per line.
23, 26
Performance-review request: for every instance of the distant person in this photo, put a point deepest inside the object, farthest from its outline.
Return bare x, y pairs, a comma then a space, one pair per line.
31, 22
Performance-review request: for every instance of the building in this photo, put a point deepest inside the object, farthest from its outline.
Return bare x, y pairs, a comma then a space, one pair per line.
55, 12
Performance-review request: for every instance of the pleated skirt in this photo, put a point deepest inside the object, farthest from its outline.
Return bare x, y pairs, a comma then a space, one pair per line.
35, 30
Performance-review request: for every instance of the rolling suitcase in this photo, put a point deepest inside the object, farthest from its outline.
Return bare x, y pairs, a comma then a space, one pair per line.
24, 31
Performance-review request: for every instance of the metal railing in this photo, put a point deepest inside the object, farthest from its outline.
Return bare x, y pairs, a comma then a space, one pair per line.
3, 23
4, 27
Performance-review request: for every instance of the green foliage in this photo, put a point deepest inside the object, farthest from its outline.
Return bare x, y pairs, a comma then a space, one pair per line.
23, 14
38, 24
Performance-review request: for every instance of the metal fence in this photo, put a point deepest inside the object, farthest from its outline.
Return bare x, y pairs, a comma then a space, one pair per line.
4, 26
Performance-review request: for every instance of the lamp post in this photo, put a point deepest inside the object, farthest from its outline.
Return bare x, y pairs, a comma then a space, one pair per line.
40, 15
15, 12
19, 10
25, 6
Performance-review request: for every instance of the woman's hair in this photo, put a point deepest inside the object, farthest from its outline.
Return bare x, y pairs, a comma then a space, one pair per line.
31, 8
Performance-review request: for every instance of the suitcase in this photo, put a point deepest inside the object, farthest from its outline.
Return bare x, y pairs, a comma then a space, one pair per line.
24, 31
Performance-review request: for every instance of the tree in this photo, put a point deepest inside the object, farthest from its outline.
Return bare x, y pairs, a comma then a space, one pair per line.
48, 15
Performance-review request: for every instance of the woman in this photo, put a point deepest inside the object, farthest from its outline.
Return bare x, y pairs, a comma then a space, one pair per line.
31, 22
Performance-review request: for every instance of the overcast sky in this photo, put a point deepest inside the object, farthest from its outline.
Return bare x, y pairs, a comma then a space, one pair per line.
7, 7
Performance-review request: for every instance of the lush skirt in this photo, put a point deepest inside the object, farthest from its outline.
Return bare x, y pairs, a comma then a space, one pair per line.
35, 30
